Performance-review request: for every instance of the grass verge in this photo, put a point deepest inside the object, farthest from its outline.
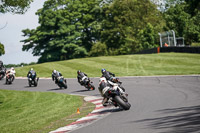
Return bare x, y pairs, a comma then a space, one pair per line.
123, 65
33, 112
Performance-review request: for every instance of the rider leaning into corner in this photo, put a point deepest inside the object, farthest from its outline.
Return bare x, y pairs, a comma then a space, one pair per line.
11, 71
31, 72
108, 75
55, 75
81, 76
104, 84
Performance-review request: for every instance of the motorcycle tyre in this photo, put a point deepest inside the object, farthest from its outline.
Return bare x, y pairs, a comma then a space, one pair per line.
29, 84
35, 83
64, 85
121, 103
92, 87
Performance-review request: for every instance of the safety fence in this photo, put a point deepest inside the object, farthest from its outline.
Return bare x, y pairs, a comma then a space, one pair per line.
171, 49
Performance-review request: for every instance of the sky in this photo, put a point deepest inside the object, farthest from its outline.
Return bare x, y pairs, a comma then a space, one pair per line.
11, 34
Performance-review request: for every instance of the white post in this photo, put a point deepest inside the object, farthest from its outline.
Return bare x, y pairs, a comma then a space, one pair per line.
174, 37
160, 40
168, 38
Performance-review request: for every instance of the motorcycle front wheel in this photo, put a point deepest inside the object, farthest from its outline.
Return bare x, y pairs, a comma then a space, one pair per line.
121, 103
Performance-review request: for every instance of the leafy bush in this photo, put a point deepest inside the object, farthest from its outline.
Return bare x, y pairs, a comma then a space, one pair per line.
98, 49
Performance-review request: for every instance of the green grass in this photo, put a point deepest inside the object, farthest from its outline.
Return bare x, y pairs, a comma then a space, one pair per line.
31, 112
124, 65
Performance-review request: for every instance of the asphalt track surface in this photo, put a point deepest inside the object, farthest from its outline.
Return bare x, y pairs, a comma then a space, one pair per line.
165, 104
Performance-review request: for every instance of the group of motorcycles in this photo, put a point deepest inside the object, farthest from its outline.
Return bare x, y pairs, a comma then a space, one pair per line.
115, 92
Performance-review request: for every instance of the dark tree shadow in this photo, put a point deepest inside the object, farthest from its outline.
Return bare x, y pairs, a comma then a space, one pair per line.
179, 120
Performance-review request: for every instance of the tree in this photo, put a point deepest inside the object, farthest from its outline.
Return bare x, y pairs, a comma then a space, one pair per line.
124, 19
66, 26
147, 37
14, 6
193, 7
98, 49
2, 51
184, 22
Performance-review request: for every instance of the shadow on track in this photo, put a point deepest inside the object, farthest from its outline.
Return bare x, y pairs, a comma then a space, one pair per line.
80, 91
182, 120
56, 89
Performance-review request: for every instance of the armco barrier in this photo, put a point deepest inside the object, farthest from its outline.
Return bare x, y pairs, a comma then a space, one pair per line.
181, 49
171, 49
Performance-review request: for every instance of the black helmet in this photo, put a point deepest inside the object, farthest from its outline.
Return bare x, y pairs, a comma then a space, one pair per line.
103, 70
78, 72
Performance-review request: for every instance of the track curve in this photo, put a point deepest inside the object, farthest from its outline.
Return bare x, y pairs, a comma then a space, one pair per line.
162, 104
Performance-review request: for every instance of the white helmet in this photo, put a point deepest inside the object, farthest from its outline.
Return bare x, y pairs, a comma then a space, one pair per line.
12, 68
31, 69
54, 71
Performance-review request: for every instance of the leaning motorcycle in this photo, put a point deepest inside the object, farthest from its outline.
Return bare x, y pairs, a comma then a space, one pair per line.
88, 84
116, 95
32, 80
61, 82
9, 78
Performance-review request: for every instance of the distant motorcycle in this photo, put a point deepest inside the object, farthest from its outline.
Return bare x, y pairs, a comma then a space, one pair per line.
61, 82
9, 78
88, 84
32, 80
2, 74
116, 95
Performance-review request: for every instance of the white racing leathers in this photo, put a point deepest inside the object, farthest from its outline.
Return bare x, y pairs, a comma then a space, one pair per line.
110, 85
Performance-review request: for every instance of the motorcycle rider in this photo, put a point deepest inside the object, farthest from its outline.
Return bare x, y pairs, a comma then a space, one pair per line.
1, 64
11, 71
81, 77
2, 68
104, 85
30, 73
111, 77
55, 75
108, 75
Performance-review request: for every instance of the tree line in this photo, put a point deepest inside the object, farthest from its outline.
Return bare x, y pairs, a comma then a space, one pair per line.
78, 28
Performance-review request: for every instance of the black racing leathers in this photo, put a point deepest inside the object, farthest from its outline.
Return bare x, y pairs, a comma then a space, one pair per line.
80, 77
32, 74
108, 75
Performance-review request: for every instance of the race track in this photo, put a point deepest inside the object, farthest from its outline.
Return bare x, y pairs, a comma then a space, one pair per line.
166, 104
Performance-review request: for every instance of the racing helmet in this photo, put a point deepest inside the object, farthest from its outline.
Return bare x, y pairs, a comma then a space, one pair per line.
78, 72
54, 71
12, 68
31, 69
103, 70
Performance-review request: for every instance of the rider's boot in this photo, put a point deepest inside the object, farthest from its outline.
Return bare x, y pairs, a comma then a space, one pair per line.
105, 101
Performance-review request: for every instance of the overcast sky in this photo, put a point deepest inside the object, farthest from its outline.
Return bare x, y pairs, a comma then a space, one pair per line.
11, 35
